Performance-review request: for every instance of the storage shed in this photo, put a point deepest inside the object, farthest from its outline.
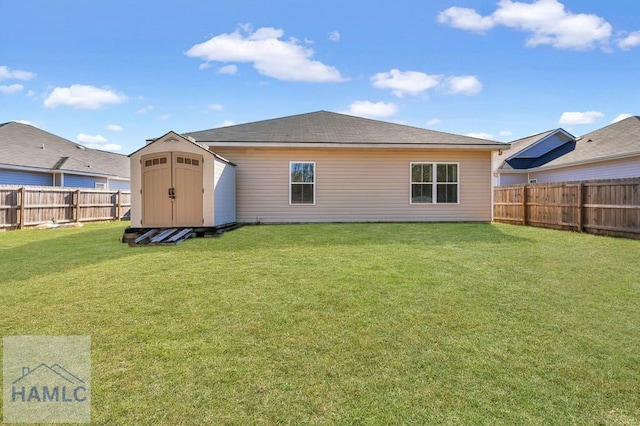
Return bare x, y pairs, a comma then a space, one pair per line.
177, 183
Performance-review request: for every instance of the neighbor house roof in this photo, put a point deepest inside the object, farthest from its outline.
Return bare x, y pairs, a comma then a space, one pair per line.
617, 140
323, 128
27, 147
539, 149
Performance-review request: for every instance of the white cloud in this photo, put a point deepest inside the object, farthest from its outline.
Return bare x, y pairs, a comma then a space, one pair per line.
215, 107
373, 110
145, 109
225, 123
7, 73
546, 21
164, 117
621, 117
228, 69
270, 56
27, 122
415, 83
114, 128
405, 82
630, 41
247, 28
114, 147
481, 135
94, 139
11, 89
434, 122
463, 85
506, 133
466, 19
334, 36
97, 142
573, 118
83, 97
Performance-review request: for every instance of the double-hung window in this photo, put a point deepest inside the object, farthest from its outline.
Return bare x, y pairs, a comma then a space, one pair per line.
434, 183
302, 182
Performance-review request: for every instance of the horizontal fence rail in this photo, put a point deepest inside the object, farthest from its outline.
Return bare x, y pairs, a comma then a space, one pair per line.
606, 207
23, 206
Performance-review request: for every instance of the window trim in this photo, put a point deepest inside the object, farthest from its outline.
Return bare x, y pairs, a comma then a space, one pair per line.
314, 183
434, 183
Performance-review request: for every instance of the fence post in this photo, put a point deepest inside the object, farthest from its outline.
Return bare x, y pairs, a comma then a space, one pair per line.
524, 204
21, 212
580, 206
119, 204
76, 205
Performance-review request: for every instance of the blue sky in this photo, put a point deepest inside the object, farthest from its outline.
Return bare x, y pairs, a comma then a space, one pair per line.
110, 74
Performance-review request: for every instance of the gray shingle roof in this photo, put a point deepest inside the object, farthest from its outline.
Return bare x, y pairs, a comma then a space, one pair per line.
22, 145
619, 139
616, 140
324, 127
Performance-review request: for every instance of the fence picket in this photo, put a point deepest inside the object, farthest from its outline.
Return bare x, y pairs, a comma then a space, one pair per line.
605, 207
22, 206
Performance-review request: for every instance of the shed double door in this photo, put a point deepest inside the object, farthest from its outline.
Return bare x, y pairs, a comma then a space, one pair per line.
172, 190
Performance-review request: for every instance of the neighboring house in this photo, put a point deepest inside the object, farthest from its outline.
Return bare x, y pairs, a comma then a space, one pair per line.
322, 167
612, 152
30, 156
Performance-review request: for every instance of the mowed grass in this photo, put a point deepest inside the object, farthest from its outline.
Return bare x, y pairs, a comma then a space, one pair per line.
340, 323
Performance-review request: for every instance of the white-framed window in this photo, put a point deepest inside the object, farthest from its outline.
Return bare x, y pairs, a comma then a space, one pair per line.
100, 185
533, 180
434, 183
302, 182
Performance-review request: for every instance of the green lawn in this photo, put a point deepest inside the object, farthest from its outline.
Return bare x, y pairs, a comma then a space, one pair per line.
340, 323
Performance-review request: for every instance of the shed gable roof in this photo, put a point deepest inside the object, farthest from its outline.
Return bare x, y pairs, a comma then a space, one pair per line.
27, 146
172, 136
329, 128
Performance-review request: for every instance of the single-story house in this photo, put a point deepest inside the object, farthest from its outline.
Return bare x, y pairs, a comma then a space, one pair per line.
31, 156
314, 167
612, 152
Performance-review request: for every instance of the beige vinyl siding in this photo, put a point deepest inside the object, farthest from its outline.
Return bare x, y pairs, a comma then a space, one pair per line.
354, 185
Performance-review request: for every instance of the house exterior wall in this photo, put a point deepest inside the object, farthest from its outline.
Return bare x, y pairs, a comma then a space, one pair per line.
75, 181
29, 178
123, 185
355, 185
511, 179
612, 169
21, 177
224, 193
166, 144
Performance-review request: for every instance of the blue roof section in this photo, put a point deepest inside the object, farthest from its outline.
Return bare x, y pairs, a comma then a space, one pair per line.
544, 145
547, 148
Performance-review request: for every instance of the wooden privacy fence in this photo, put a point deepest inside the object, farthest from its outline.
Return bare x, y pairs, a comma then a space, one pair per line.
28, 205
607, 207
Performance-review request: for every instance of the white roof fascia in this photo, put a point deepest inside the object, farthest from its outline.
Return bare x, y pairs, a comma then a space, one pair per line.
488, 146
